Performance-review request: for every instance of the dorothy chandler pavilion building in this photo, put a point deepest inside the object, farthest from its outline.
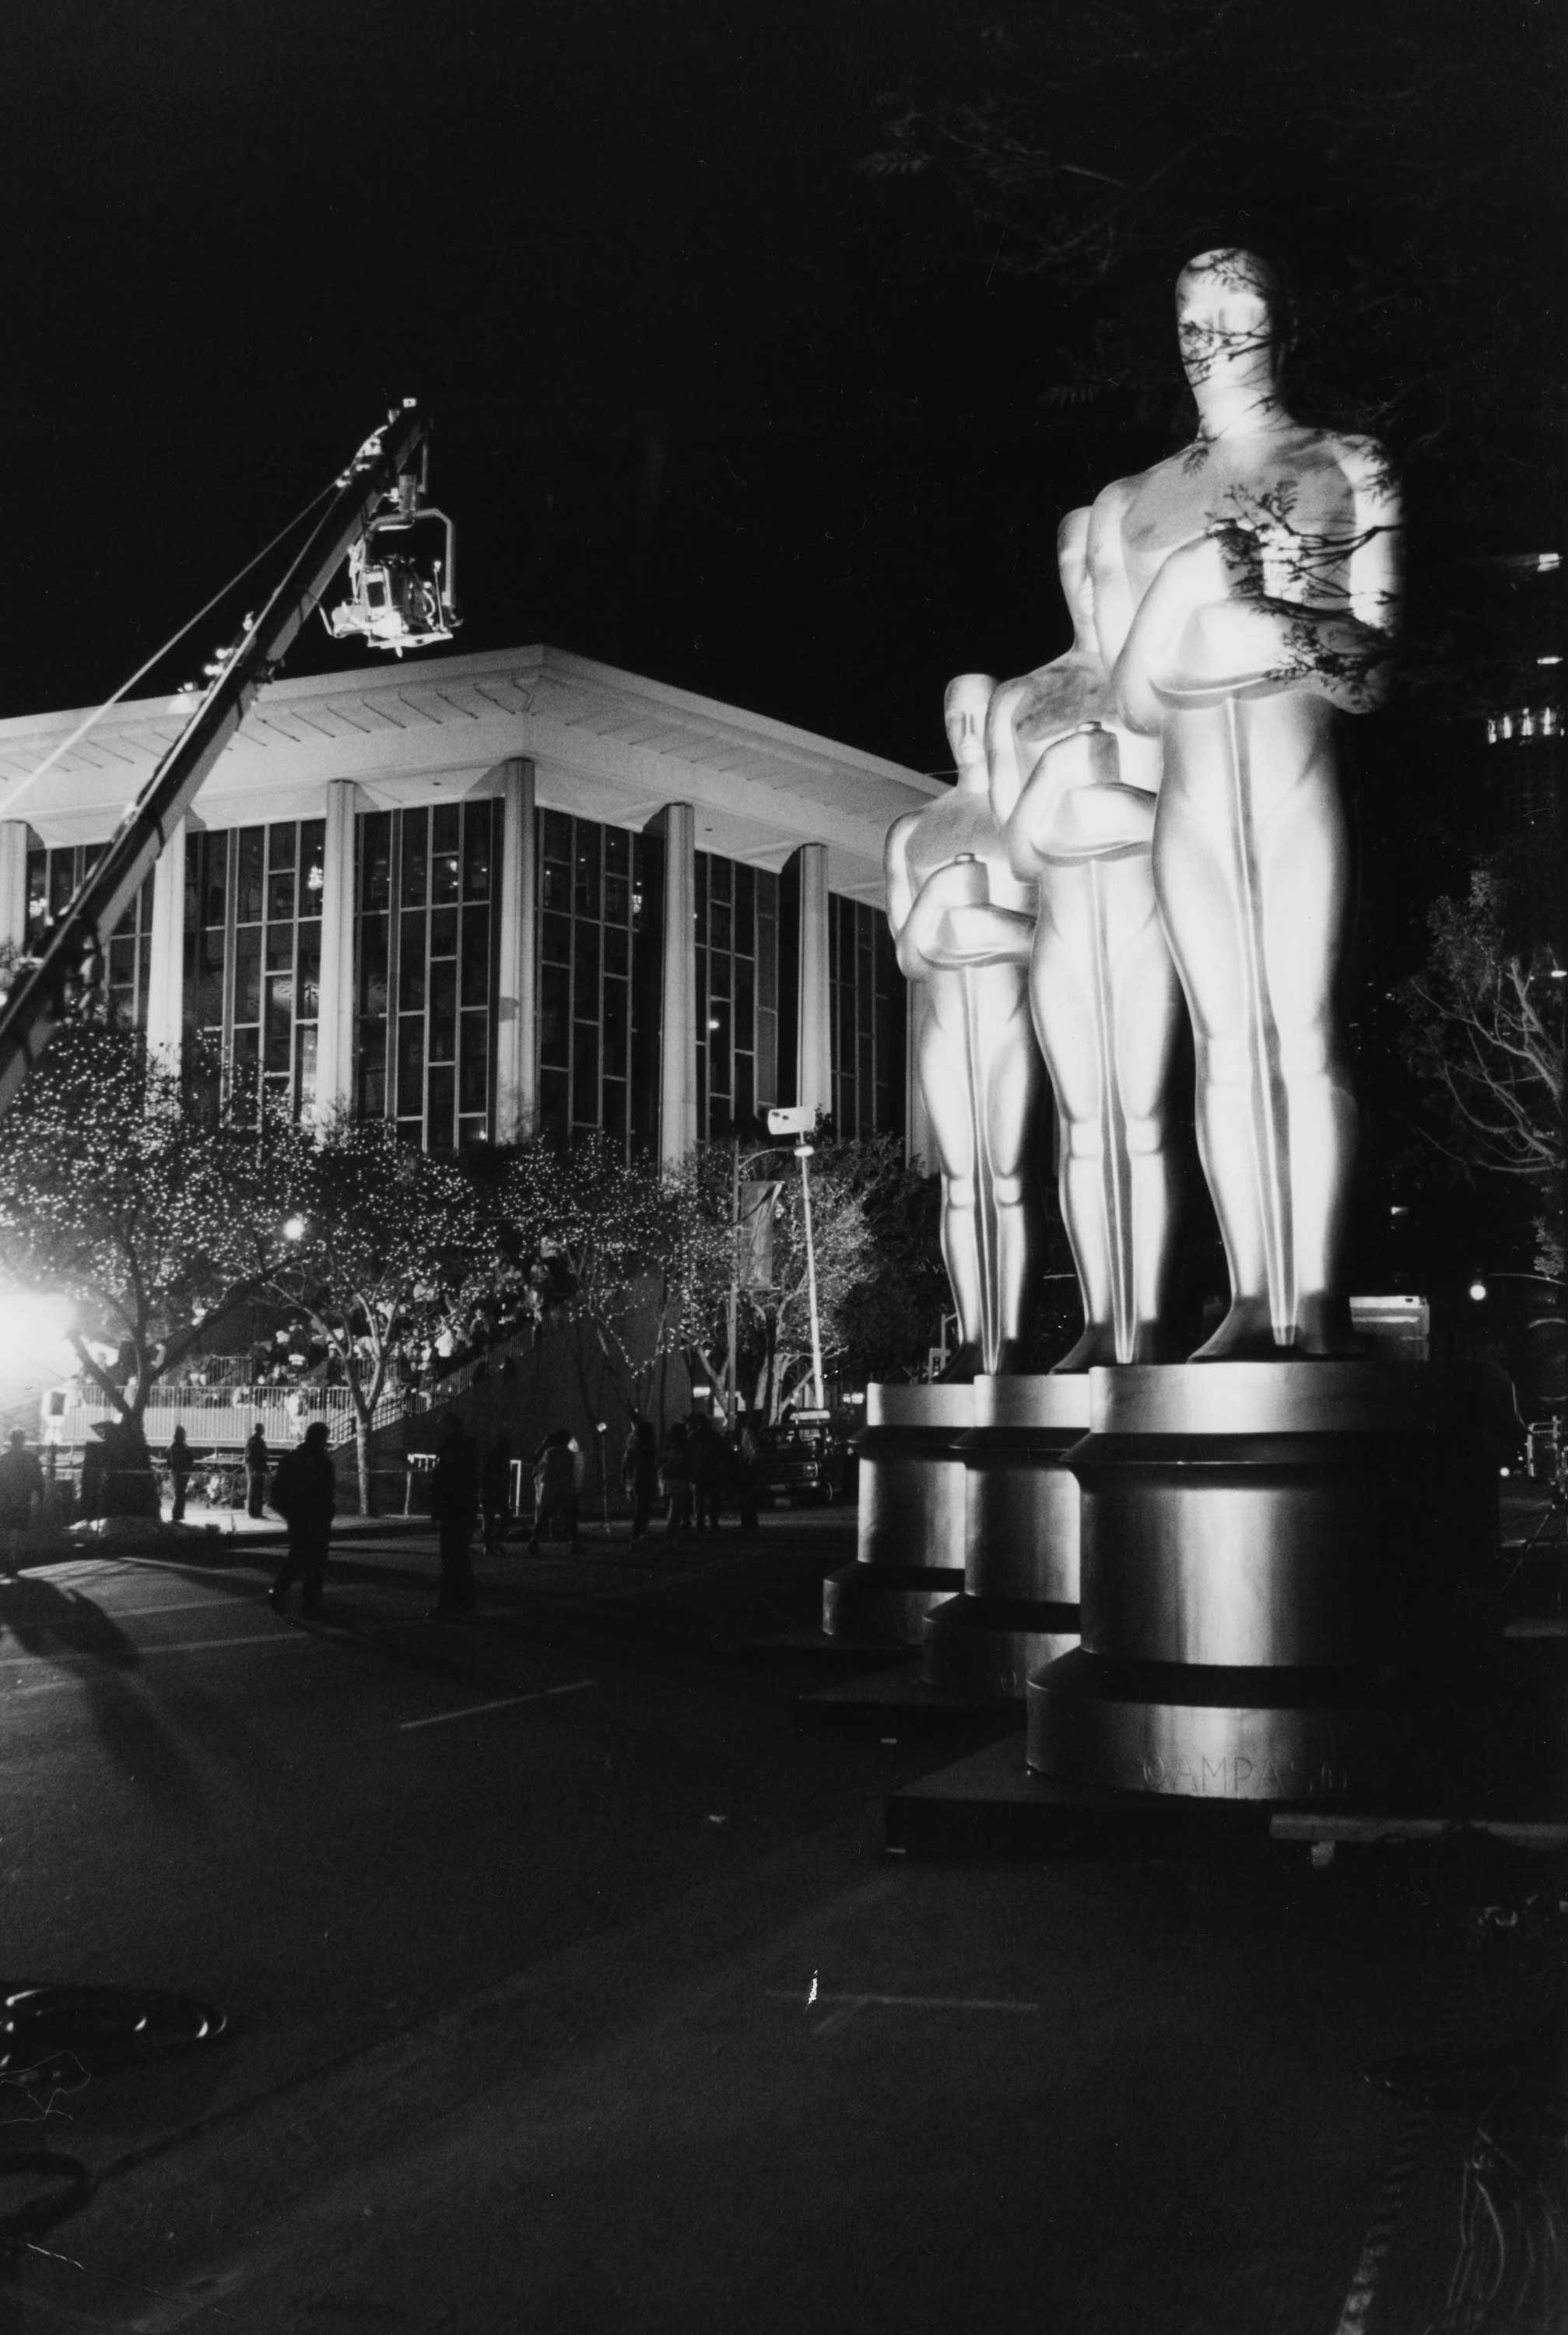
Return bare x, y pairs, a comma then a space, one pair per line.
491, 895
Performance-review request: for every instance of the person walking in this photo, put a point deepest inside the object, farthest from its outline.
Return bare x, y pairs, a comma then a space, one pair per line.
675, 1480
454, 1505
305, 1494
255, 1463
496, 1492
556, 1476
181, 1462
640, 1474
21, 1494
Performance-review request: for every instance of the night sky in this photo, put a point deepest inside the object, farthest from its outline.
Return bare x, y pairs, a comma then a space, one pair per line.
710, 403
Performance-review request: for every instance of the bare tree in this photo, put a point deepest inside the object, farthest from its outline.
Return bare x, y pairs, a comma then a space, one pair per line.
1401, 167
1487, 1026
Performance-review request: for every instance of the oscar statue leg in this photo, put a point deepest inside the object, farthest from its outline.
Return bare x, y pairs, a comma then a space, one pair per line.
1308, 890
1202, 904
944, 1070
1063, 994
1012, 1095
1145, 1012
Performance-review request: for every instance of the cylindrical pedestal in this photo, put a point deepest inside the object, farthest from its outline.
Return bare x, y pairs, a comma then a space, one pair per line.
1019, 1608
909, 1555
1266, 1571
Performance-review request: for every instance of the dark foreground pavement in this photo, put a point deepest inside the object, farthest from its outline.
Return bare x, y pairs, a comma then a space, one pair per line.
636, 2026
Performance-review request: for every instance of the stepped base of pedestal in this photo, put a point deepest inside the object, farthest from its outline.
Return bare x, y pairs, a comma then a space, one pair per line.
885, 1605
988, 1805
990, 1647
1311, 1738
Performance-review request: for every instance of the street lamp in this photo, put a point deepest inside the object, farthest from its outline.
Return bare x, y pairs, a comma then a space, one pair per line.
800, 1119
293, 1229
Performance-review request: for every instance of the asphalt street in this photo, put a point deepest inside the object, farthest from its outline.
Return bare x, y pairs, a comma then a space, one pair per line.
570, 1987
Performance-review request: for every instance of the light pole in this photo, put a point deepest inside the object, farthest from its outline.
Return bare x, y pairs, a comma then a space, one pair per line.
800, 1119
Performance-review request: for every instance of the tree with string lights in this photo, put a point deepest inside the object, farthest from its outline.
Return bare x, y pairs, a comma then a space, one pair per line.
880, 1286
380, 1247
587, 1236
138, 1207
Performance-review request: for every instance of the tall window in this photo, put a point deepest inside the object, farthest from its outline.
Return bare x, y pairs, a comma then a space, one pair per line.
595, 906
868, 1012
253, 950
426, 942
737, 944
53, 876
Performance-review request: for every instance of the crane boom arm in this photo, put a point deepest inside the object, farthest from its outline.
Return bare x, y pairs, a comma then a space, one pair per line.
33, 1011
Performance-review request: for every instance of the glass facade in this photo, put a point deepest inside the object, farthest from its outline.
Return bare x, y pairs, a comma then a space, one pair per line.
426, 965
598, 1011
867, 1005
737, 944
253, 950
427, 940
53, 876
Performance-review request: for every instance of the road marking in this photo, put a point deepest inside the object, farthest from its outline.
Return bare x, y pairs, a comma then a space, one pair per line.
899, 2002
172, 1565
175, 1605
842, 2008
506, 1702
84, 1677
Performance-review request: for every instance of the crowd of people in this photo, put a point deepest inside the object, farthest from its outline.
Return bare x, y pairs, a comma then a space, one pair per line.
692, 1475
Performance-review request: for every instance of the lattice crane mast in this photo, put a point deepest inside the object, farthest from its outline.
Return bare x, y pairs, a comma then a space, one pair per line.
400, 596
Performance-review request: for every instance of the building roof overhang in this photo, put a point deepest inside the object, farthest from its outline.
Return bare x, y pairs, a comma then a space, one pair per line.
604, 745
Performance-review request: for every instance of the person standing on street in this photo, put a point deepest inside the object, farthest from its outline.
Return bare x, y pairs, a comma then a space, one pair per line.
181, 1462
305, 1494
705, 1466
454, 1505
256, 1472
21, 1494
640, 1474
496, 1492
743, 1449
556, 1476
675, 1480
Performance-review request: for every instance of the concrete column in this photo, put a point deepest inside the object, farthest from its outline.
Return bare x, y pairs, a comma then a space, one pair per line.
814, 1069
918, 1147
165, 970
335, 1026
14, 833
517, 990
678, 1045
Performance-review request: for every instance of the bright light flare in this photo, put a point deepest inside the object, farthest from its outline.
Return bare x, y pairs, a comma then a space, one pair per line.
35, 1332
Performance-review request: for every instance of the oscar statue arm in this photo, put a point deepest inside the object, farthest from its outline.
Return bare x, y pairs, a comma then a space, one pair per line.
917, 914
1257, 606
1003, 761
1083, 760
900, 892
981, 934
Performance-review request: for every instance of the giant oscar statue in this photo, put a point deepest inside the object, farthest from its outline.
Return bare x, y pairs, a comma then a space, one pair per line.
1264, 1568
1075, 794
1245, 591
963, 925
